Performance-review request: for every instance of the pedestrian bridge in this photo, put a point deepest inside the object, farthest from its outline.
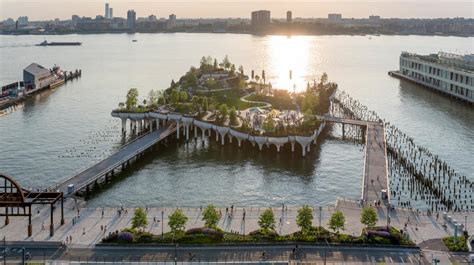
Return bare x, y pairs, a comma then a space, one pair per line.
375, 178
120, 158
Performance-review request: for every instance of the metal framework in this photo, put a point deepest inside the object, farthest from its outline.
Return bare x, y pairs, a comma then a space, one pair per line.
16, 201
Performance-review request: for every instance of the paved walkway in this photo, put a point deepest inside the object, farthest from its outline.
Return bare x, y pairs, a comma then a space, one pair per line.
375, 165
87, 228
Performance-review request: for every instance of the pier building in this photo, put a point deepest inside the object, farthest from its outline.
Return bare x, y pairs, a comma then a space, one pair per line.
451, 74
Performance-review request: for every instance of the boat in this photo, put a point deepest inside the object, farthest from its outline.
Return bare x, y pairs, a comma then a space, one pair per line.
46, 43
134, 40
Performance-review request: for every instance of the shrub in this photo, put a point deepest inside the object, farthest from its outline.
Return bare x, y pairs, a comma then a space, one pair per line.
125, 237
459, 246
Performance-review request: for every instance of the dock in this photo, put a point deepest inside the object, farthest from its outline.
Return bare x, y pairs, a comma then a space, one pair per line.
121, 158
375, 178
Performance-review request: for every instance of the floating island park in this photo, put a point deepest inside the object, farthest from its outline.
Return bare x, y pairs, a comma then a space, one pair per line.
219, 97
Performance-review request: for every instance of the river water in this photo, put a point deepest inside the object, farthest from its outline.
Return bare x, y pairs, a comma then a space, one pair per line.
60, 132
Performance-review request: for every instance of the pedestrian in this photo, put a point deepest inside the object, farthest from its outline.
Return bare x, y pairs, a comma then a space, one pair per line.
102, 213
83, 230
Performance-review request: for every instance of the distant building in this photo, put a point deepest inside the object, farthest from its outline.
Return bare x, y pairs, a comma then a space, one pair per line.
335, 18
36, 76
111, 13
107, 10
260, 18
289, 17
131, 20
452, 74
152, 18
171, 23
374, 19
23, 21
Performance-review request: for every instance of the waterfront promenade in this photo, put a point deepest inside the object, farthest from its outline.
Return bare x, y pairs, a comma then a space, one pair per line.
107, 165
86, 230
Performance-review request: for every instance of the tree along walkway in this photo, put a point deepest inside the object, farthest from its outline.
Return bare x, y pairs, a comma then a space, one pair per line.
127, 152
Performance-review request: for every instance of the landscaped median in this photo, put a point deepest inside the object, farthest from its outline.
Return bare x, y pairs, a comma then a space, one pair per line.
212, 234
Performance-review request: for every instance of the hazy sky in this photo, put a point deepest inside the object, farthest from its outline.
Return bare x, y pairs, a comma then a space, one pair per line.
63, 9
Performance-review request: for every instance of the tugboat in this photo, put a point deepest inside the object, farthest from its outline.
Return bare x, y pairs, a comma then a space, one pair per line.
46, 43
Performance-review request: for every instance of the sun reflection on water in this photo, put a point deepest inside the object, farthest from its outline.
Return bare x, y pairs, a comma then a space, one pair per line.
290, 54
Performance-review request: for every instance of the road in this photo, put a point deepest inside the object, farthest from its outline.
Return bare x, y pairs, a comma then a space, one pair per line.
276, 254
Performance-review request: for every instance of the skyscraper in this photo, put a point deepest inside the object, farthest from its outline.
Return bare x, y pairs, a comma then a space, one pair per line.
107, 11
131, 19
289, 17
111, 13
260, 18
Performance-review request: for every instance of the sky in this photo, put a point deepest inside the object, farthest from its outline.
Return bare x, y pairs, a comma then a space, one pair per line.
63, 9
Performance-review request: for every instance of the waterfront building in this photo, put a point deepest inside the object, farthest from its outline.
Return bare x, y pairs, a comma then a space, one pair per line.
131, 20
111, 13
335, 18
374, 19
260, 18
171, 23
23, 21
36, 76
452, 74
289, 17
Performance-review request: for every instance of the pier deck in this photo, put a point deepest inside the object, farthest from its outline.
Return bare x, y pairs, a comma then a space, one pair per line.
95, 172
375, 166
375, 177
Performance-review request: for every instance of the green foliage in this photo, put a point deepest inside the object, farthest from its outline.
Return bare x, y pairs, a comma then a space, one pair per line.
174, 97
226, 63
183, 96
132, 99
211, 83
266, 221
324, 78
233, 117
305, 218
205, 104
177, 221
241, 69
210, 216
139, 219
458, 246
368, 217
337, 221
223, 112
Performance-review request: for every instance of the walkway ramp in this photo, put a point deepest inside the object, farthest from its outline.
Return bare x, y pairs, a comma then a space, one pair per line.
115, 160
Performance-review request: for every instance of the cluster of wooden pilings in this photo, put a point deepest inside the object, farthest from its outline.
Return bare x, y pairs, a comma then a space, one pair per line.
417, 177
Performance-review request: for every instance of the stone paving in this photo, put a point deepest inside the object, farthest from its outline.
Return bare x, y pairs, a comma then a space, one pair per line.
87, 228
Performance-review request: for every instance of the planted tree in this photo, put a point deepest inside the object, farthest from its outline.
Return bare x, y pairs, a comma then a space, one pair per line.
241, 70
337, 221
266, 221
368, 217
177, 221
205, 104
183, 96
226, 62
223, 111
305, 219
215, 64
174, 97
139, 219
132, 99
324, 78
210, 216
233, 116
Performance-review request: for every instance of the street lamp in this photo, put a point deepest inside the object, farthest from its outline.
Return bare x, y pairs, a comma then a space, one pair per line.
162, 213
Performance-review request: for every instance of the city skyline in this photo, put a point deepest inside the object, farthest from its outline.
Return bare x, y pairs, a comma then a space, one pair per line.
242, 9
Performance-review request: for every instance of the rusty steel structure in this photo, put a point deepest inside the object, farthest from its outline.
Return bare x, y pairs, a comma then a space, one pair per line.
17, 201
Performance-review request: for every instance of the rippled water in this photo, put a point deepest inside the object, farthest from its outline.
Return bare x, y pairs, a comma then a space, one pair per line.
55, 133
